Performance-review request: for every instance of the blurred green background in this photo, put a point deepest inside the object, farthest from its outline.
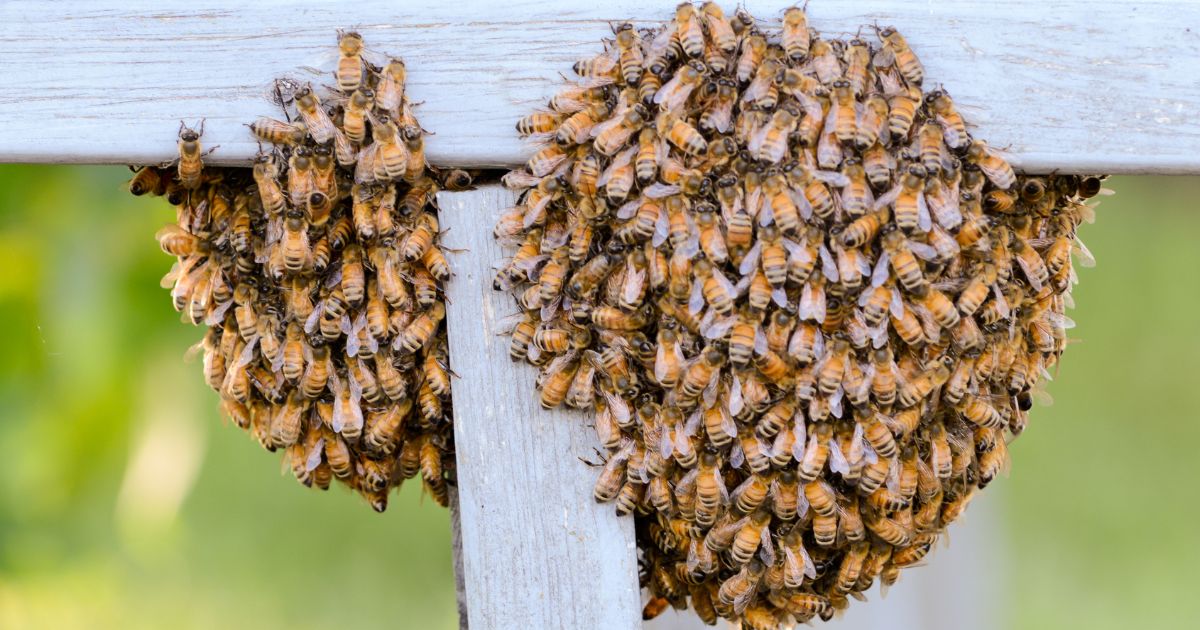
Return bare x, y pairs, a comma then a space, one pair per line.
125, 502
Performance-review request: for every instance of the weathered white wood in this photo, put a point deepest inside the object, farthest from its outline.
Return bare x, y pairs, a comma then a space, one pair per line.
537, 551
1076, 85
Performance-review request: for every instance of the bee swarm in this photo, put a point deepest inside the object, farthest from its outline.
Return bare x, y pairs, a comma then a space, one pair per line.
318, 273
805, 305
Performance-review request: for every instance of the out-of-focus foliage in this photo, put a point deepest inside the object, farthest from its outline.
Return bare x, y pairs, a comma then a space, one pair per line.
1103, 499
125, 502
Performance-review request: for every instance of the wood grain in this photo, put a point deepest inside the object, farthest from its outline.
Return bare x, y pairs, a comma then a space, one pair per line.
538, 552
1064, 84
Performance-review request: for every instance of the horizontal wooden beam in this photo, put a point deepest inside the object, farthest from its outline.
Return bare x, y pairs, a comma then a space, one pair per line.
1074, 85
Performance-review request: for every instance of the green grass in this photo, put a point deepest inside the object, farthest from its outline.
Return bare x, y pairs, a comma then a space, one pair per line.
1098, 511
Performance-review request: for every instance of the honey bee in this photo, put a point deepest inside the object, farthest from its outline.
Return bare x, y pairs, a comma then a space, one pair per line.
354, 118
719, 27
297, 252
421, 330
674, 94
349, 67
688, 30
190, 167
896, 50
750, 536
795, 34
389, 93
825, 59
699, 373
770, 142
320, 126
711, 287
682, 135
539, 123
631, 60
1031, 263
953, 127
997, 170
176, 241
902, 260
932, 148
279, 132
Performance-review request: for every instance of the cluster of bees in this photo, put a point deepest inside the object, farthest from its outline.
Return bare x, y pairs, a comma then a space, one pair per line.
319, 276
806, 306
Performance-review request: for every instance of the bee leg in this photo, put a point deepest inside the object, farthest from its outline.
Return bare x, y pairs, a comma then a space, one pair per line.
594, 464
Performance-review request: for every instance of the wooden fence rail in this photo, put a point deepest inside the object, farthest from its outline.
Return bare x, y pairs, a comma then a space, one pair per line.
1064, 84
1067, 85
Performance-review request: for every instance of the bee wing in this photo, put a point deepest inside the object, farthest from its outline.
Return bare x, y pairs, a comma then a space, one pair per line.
757, 137
696, 297
949, 134
757, 89
676, 99
750, 261
923, 220
665, 446
997, 170
795, 250
716, 249
631, 288
519, 179
923, 250
828, 264
812, 302
659, 190
726, 285
310, 324
1029, 273
736, 401
779, 296
837, 459
737, 457
767, 548
662, 229
835, 403
717, 329
862, 263
721, 116
364, 168
661, 362
693, 423
1085, 256
948, 212
766, 210
616, 118
829, 150
659, 44
628, 209
888, 198
896, 304
760, 341
857, 448
709, 395
884, 57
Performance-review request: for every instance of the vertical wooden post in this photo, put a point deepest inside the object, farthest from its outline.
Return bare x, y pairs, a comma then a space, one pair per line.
537, 551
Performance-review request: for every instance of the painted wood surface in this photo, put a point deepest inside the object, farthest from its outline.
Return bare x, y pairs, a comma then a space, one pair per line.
537, 551
1073, 85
